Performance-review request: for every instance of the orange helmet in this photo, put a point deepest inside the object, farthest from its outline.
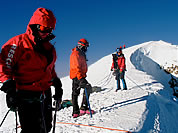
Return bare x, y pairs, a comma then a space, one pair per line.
83, 42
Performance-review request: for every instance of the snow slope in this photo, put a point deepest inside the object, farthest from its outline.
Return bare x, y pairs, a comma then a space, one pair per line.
146, 107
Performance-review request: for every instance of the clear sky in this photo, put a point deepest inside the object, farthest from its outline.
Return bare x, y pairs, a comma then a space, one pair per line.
106, 24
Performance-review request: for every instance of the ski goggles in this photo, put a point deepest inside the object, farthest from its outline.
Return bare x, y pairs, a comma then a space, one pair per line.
84, 44
44, 29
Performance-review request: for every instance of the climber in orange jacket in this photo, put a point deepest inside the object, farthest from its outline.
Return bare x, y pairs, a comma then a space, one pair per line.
78, 70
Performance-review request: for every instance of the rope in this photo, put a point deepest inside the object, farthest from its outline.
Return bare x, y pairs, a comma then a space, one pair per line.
108, 80
94, 127
140, 87
134, 83
119, 130
105, 81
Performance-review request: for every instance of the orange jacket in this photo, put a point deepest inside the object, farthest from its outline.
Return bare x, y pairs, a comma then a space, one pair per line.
120, 63
19, 60
78, 64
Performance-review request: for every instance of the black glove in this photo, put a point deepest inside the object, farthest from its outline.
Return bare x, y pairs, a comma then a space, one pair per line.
11, 101
83, 83
8, 86
58, 89
57, 104
114, 73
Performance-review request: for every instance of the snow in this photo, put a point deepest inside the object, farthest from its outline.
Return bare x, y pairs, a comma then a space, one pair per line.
146, 107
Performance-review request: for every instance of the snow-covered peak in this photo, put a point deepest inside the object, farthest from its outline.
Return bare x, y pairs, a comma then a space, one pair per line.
162, 42
163, 53
145, 107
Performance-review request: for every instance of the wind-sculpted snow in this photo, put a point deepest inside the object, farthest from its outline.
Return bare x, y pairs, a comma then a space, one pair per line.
160, 110
144, 63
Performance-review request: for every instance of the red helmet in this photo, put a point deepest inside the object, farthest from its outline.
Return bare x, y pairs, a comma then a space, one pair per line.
83, 42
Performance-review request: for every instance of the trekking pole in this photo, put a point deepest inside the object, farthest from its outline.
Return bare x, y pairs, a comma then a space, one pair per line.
88, 102
58, 106
16, 120
4, 117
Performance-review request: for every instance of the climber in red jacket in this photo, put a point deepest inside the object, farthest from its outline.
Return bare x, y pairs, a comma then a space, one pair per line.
119, 67
27, 64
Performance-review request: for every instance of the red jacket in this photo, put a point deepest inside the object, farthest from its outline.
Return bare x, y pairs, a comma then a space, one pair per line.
78, 64
19, 60
120, 63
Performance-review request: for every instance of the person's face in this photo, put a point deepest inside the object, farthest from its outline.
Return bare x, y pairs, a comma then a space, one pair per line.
43, 35
44, 31
119, 53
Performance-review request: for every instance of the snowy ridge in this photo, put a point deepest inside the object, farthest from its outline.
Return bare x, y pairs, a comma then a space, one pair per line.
146, 107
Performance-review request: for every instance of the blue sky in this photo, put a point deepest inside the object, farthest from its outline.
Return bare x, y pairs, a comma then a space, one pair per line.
106, 24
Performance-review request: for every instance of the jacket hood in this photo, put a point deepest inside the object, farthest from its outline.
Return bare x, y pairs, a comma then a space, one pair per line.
43, 17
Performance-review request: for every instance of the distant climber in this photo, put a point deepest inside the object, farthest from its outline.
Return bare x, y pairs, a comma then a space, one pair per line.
119, 68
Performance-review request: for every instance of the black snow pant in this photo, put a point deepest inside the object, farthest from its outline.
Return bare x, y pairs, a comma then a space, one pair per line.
32, 110
75, 94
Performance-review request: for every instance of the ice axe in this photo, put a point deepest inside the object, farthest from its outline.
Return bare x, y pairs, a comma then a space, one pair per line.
4, 117
88, 102
57, 107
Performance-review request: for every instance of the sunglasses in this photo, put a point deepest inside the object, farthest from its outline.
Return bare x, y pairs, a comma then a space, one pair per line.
44, 29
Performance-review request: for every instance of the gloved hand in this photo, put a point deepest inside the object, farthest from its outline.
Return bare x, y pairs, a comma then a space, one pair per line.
8, 86
114, 73
83, 83
58, 89
11, 101
57, 105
